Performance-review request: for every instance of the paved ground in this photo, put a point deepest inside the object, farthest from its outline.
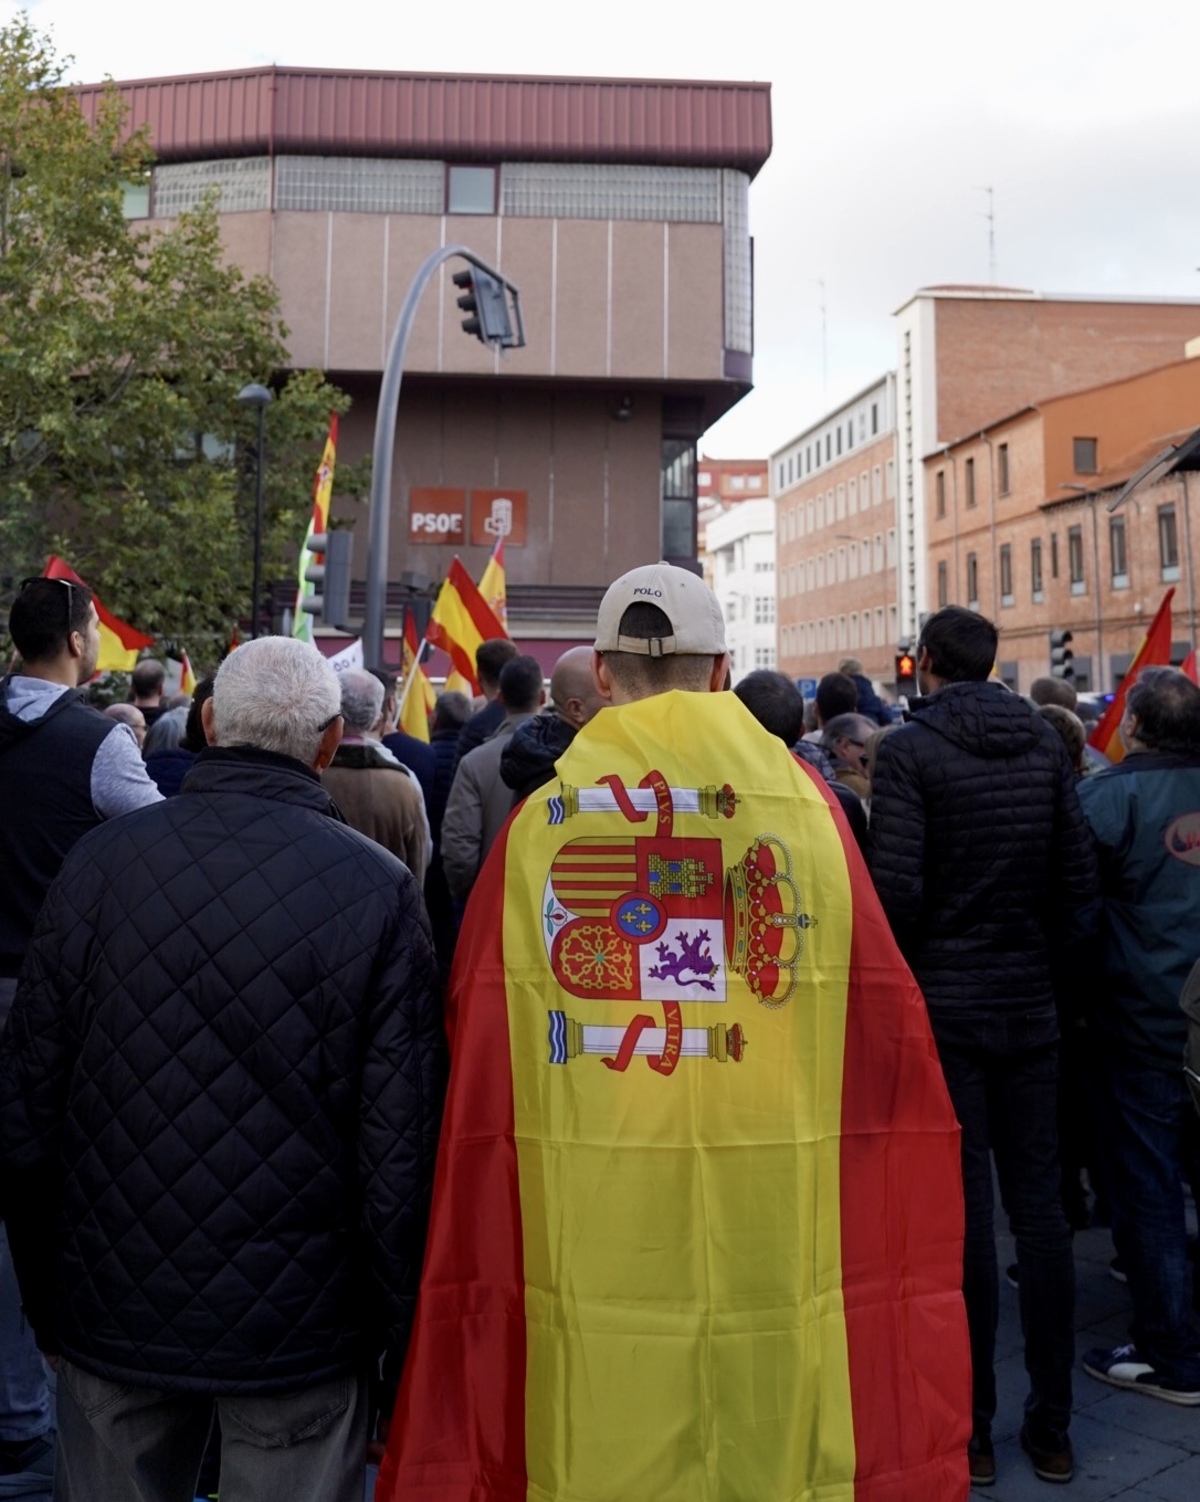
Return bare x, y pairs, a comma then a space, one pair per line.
1126, 1445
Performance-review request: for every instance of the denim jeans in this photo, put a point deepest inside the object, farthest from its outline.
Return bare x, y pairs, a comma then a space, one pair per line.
1143, 1127
25, 1409
136, 1444
1006, 1098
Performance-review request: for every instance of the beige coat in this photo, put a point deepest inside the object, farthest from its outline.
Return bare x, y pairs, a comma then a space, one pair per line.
378, 798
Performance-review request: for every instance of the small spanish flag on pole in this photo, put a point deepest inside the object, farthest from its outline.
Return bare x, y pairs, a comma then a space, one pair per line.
697, 1222
492, 585
1154, 650
418, 697
318, 523
461, 620
120, 643
187, 679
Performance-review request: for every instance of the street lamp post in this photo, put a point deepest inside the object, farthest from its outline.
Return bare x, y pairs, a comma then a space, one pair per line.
258, 396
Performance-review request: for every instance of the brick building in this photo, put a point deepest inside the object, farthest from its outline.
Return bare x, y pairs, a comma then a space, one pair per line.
834, 488
966, 356
1018, 527
620, 209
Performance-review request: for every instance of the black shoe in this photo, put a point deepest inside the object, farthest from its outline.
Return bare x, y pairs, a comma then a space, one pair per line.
981, 1462
1055, 1463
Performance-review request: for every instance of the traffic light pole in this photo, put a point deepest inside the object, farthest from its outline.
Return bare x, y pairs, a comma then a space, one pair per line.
385, 443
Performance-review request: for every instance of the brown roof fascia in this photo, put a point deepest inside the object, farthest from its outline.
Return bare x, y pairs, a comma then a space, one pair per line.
247, 112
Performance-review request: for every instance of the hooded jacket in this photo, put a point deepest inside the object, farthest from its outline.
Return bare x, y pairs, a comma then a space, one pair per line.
527, 762
979, 852
220, 1091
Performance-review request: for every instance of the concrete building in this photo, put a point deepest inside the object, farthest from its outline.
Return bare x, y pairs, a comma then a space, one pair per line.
720, 484
966, 356
1018, 525
834, 491
620, 210
741, 565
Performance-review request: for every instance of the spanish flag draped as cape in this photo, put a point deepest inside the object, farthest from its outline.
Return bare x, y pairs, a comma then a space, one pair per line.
697, 1222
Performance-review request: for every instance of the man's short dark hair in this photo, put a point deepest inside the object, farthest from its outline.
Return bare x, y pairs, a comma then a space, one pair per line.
961, 645
641, 675
451, 710
194, 738
521, 684
45, 613
490, 657
775, 702
837, 693
1045, 691
1167, 705
147, 678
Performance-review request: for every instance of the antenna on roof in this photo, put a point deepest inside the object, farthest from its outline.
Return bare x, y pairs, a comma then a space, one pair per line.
990, 216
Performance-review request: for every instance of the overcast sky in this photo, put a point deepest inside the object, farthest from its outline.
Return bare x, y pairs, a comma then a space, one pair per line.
889, 120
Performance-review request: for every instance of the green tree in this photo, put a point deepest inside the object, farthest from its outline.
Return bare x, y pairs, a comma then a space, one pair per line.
122, 350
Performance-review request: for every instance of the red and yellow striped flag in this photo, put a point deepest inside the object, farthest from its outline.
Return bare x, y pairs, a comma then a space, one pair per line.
418, 697
120, 643
187, 678
697, 1221
493, 586
1155, 649
460, 621
318, 523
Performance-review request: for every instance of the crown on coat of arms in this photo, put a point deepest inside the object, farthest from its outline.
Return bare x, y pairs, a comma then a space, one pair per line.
764, 922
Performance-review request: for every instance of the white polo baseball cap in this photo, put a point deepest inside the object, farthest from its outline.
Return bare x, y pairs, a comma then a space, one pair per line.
697, 625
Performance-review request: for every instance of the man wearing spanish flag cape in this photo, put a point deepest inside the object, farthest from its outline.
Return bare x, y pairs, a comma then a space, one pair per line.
697, 1222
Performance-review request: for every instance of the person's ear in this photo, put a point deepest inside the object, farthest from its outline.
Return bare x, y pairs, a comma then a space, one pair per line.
331, 739
601, 676
208, 723
721, 676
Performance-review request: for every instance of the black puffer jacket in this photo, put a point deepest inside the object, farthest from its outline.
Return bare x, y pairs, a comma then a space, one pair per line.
527, 762
225, 1063
979, 850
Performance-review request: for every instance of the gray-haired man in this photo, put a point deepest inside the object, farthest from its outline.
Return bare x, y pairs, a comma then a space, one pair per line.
226, 1054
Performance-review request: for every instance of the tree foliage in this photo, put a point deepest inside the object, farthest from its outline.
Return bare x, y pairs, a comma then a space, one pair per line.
122, 350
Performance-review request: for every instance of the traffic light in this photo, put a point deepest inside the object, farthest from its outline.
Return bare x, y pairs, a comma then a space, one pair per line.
1061, 655
330, 572
485, 302
906, 673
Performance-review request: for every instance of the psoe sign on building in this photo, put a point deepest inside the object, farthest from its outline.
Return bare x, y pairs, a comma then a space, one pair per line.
437, 515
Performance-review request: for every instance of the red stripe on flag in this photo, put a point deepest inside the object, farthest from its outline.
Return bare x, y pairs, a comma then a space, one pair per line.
483, 618
902, 1234
1154, 650
470, 1325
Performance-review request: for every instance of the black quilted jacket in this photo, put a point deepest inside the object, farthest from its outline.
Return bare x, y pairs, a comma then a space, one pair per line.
979, 850
220, 1091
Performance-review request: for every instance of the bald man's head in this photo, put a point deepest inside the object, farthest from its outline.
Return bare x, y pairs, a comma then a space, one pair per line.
573, 689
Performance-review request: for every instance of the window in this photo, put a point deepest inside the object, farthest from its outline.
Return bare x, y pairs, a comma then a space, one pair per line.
972, 582
1075, 560
470, 190
780, 481
731, 608
135, 197
850, 434
1035, 570
764, 657
866, 629
865, 565
841, 565
705, 479
764, 610
874, 417
1116, 546
808, 517
852, 561
755, 481
853, 629
839, 438
841, 503
852, 497
1002, 468
1054, 555
877, 485
879, 636
820, 570
1085, 456
841, 631
1006, 574
891, 479
678, 498
763, 566
969, 481
939, 492
1168, 543
943, 585
828, 447
738, 482
877, 562
810, 569
891, 546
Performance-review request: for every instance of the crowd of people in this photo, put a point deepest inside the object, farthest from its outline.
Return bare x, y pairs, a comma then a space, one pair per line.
227, 965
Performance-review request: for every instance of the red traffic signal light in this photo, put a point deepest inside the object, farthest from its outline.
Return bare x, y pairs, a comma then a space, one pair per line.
906, 666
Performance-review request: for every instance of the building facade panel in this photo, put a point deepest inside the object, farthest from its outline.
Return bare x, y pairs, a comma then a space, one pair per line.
301, 268
581, 280
695, 302
358, 247
638, 300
